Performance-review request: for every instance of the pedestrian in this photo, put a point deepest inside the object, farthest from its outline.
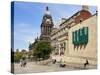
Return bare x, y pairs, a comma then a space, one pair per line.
62, 64
54, 61
24, 63
86, 63
21, 62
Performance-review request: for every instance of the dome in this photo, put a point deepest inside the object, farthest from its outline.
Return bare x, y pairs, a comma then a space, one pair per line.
47, 12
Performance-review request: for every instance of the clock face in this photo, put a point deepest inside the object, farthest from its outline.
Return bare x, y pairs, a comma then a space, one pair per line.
47, 20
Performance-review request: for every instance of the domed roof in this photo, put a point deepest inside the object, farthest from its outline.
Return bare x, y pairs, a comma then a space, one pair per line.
47, 12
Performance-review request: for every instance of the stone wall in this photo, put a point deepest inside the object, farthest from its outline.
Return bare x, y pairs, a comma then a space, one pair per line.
90, 50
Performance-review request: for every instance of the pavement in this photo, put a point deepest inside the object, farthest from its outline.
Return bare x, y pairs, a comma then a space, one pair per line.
37, 67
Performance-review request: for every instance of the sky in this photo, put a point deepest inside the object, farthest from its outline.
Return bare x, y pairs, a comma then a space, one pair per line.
28, 17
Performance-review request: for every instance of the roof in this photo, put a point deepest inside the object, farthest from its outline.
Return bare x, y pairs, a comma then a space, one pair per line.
74, 15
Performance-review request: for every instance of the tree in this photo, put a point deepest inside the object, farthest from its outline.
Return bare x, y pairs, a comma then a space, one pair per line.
17, 56
42, 50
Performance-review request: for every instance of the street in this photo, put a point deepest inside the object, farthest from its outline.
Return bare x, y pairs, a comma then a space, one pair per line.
32, 67
36, 67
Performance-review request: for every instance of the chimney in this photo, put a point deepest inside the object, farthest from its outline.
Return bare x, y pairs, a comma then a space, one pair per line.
64, 19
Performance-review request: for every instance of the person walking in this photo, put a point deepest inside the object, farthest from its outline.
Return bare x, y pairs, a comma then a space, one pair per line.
24, 63
21, 62
86, 63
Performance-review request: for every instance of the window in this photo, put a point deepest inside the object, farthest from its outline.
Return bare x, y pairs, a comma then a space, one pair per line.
86, 30
86, 35
80, 32
75, 37
80, 36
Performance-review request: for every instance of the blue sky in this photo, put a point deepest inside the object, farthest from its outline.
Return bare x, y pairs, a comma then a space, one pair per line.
28, 17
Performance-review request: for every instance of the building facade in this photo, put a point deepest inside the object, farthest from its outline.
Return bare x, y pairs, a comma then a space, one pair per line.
46, 25
75, 39
46, 28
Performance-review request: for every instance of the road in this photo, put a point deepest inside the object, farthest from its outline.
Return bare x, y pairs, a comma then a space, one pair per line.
36, 67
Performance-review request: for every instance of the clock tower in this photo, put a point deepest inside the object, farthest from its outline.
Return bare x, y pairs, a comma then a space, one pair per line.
46, 26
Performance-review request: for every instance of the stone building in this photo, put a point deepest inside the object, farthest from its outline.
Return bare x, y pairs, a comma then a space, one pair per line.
46, 26
75, 39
